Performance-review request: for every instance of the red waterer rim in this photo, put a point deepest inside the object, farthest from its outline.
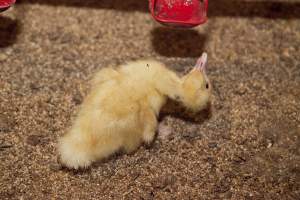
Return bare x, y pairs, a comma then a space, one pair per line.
179, 13
5, 4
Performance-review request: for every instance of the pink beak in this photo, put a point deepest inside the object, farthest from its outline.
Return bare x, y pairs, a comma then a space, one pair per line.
201, 62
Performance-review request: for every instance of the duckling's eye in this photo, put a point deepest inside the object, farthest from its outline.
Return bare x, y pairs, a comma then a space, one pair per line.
207, 85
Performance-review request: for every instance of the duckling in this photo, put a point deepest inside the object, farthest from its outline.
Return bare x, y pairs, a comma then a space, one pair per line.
121, 110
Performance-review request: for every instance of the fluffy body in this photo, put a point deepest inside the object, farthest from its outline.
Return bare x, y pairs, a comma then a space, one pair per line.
121, 111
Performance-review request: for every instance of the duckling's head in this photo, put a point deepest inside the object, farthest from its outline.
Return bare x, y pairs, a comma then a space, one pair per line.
196, 86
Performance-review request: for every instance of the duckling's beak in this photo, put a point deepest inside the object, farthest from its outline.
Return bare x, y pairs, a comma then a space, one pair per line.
201, 62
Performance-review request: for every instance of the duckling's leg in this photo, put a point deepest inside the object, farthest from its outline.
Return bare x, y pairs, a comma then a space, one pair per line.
150, 126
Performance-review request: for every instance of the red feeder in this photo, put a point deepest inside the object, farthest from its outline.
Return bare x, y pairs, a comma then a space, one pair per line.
180, 13
5, 4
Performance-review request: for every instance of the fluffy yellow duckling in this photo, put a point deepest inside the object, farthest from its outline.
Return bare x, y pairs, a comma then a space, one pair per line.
121, 111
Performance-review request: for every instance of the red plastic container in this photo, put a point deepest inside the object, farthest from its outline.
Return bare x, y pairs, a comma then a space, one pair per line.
180, 13
5, 4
